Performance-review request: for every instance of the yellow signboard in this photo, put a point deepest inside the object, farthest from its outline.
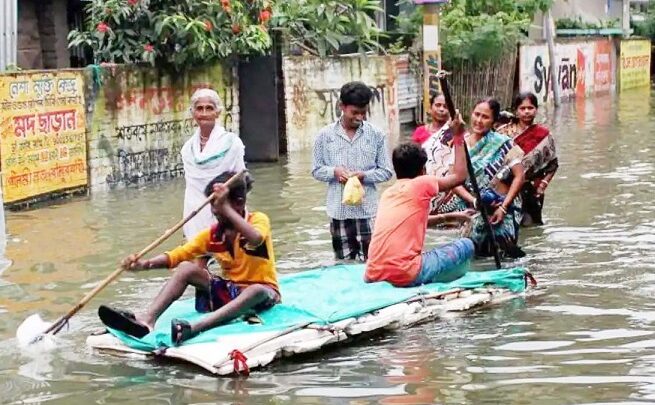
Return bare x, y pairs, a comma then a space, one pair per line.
634, 64
42, 133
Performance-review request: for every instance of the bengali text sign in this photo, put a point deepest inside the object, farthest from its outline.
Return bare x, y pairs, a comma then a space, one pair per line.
42, 128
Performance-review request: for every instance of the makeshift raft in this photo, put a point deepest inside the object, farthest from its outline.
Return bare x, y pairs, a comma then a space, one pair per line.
320, 307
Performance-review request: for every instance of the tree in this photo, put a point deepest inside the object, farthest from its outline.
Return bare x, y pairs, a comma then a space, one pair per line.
189, 33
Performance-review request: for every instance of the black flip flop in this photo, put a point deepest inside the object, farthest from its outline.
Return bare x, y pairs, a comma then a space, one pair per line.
123, 321
181, 331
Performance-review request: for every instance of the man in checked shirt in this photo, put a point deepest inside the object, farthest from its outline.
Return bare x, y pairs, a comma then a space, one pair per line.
351, 147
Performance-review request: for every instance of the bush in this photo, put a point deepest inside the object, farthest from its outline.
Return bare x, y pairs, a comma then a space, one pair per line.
174, 33
323, 27
646, 28
483, 30
570, 23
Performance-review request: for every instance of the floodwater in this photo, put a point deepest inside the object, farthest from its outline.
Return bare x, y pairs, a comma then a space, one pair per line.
589, 338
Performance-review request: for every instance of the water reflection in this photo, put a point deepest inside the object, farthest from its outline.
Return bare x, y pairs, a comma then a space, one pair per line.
588, 339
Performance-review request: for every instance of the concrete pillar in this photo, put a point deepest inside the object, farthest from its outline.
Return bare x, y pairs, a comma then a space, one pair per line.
626, 18
431, 51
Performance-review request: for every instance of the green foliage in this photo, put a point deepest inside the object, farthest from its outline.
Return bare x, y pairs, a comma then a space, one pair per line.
577, 23
12, 68
646, 28
408, 25
323, 27
482, 30
522, 7
174, 33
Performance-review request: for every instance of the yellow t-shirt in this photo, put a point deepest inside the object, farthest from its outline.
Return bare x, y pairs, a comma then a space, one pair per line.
246, 265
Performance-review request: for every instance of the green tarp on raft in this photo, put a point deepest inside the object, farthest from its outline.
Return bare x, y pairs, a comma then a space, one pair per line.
323, 296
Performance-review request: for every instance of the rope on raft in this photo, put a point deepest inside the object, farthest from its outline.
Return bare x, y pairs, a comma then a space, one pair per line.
240, 359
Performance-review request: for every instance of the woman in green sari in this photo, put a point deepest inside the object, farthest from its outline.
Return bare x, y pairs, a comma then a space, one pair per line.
498, 170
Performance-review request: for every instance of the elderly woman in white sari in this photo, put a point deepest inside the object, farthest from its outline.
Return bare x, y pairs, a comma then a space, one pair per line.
209, 152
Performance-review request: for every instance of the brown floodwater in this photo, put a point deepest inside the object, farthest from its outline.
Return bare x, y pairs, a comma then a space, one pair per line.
589, 338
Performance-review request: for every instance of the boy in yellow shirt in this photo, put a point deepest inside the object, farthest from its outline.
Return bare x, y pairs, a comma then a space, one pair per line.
240, 242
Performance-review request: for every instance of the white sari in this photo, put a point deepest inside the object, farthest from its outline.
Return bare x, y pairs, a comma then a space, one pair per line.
223, 152
440, 159
440, 156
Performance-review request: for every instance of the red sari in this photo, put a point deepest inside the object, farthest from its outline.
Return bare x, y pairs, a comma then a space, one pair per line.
531, 137
539, 161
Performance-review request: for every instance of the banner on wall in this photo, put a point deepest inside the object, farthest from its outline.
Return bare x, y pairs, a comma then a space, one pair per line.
603, 67
42, 129
634, 70
583, 68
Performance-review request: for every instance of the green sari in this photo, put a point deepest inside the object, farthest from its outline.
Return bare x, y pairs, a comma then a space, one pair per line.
488, 157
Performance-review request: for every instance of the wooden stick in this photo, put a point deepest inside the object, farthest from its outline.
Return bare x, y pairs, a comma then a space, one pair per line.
476, 189
59, 324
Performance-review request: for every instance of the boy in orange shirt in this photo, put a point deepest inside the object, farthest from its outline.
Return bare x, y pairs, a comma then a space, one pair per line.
240, 242
395, 253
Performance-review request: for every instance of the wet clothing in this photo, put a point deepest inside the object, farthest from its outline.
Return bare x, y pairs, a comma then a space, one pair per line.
242, 263
351, 238
399, 231
223, 152
366, 151
488, 156
446, 262
539, 161
222, 291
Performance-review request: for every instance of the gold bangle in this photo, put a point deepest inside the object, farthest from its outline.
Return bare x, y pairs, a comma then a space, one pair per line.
503, 209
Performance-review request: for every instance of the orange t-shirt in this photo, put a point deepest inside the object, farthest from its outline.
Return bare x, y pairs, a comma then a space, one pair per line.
394, 254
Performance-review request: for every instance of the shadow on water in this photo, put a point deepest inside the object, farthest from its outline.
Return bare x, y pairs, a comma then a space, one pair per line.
589, 339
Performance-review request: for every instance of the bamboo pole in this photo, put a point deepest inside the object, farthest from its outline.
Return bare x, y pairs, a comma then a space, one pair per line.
59, 324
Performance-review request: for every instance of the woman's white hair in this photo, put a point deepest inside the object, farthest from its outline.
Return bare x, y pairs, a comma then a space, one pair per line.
212, 95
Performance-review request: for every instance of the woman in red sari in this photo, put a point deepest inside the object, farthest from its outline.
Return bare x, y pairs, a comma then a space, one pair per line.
540, 160
438, 113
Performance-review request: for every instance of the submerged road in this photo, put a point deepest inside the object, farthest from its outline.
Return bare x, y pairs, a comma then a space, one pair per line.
589, 339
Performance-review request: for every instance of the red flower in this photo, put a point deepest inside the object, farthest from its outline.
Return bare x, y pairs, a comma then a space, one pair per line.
132, 2
102, 27
148, 48
208, 25
264, 16
236, 28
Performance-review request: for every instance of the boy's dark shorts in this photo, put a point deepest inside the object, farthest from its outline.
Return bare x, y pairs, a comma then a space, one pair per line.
222, 291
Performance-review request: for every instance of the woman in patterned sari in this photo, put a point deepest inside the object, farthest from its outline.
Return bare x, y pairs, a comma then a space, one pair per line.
439, 116
540, 160
498, 170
